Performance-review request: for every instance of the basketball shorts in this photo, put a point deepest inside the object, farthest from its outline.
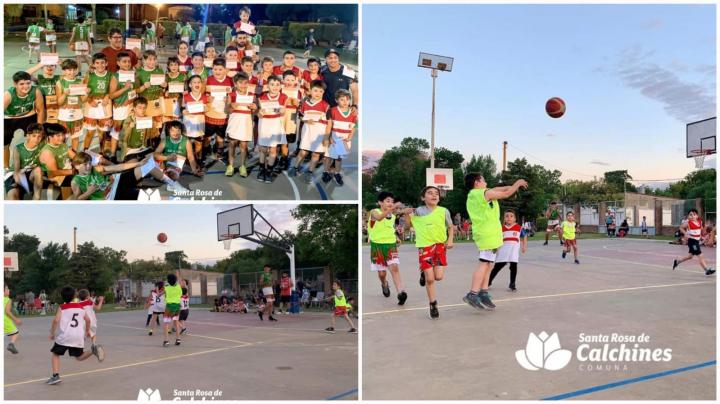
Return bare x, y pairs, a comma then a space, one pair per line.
340, 311
487, 255
694, 246
184, 314
552, 224
60, 350
570, 243
432, 256
382, 256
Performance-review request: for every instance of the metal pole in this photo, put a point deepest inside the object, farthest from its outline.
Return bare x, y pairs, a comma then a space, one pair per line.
74, 240
291, 255
45, 11
434, 75
504, 155
127, 20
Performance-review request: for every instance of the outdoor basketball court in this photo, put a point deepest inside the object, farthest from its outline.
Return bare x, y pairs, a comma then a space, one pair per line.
234, 353
622, 286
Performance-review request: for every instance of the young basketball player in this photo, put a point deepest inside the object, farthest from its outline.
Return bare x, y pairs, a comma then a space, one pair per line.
173, 297
568, 228
553, 221
184, 309
70, 114
267, 291
694, 231
26, 165
342, 123
90, 306
240, 123
483, 206
271, 130
313, 132
10, 322
98, 108
384, 244
216, 119
157, 302
153, 93
123, 92
514, 241
340, 309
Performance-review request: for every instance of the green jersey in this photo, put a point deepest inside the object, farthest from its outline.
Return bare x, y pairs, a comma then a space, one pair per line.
123, 98
34, 31
47, 84
266, 279
82, 33
149, 36
173, 293
99, 85
60, 152
382, 231
181, 77
136, 138
20, 106
203, 75
65, 85
179, 147
568, 230
142, 77
430, 226
93, 178
256, 39
29, 157
185, 31
485, 218
50, 26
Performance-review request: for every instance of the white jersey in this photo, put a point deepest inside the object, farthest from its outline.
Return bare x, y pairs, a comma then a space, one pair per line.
510, 250
71, 332
185, 302
158, 299
89, 308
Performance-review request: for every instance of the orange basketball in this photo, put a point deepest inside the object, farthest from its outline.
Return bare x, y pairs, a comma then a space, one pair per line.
162, 237
555, 107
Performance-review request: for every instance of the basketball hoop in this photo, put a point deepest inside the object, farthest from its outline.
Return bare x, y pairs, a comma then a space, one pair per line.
227, 241
699, 156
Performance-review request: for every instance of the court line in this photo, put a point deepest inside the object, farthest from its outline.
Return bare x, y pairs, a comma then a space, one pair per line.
131, 364
606, 247
341, 395
189, 334
667, 267
630, 381
296, 192
320, 189
259, 327
589, 292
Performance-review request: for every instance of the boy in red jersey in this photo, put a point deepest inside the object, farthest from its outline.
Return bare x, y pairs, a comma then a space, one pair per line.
694, 230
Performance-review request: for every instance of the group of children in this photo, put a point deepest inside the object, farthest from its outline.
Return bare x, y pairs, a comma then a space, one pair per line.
171, 302
219, 103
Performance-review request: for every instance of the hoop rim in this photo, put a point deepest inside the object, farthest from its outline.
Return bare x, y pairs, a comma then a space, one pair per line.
701, 152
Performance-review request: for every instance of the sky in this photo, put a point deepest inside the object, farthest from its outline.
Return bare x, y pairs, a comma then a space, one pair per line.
632, 76
134, 228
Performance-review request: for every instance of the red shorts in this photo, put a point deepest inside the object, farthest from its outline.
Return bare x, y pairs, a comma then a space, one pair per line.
432, 256
570, 243
340, 311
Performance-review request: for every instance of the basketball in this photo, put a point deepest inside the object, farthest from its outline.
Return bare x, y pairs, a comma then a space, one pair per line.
162, 237
555, 107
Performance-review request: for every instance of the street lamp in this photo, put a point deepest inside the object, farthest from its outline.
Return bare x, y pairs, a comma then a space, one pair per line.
435, 63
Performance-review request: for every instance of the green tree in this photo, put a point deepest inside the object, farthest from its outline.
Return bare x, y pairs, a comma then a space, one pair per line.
401, 170
175, 258
617, 180
543, 186
148, 270
329, 233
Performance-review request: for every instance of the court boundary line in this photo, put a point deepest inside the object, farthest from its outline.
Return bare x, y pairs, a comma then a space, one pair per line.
341, 395
513, 299
633, 380
188, 334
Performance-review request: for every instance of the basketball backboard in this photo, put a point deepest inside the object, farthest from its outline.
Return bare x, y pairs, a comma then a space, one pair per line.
234, 223
439, 177
701, 137
430, 61
10, 262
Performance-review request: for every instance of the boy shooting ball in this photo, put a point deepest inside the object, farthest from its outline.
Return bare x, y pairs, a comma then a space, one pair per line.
568, 228
694, 231
484, 210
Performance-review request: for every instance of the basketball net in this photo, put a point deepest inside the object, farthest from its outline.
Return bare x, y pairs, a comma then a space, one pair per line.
700, 158
227, 241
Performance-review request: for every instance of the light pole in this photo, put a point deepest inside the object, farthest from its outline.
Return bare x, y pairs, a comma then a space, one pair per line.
435, 63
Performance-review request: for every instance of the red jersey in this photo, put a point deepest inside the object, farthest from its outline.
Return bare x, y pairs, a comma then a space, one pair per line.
188, 97
307, 79
280, 98
234, 100
293, 93
285, 287
320, 106
212, 81
185, 66
511, 233
337, 116
238, 24
279, 70
695, 228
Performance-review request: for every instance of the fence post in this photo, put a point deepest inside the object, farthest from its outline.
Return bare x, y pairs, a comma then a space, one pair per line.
700, 207
658, 217
602, 212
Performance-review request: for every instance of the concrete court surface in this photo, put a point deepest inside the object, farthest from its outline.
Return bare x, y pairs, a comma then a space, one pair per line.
621, 286
215, 185
292, 359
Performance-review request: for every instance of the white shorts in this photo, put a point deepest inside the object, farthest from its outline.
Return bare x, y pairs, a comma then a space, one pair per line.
268, 291
487, 255
240, 127
552, 224
381, 268
121, 112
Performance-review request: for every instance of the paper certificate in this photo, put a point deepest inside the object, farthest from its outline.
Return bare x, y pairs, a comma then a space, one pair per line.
132, 43
291, 93
208, 63
195, 107
48, 59
244, 99
343, 125
348, 72
50, 37
249, 52
149, 46
231, 64
270, 105
176, 87
314, 116
82, 46
245, 27
179, 161
78, 89
218, 95
126, 75
143, 123
157, 79
183, 68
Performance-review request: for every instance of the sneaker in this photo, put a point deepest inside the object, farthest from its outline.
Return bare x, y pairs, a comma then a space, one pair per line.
708, 271
150, 333
402, 297
260, 315
561, 242
308, 177
98, 351
512, 288
11, 348
577, 262
564, 254
352, 331
272, 318
326, 177
261, 175
183, 331
434, 313
545, 243
55, 379
166, 343
338, 179
243, 171
474, 300
229, 171
292, 172
485, 299
422, 278
386, 289
177, 342
330, 330
675, 264
270, 176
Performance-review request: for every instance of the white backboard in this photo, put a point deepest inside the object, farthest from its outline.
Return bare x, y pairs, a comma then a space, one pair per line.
234, 223
430, 61
10, 262
439, 177
701, 136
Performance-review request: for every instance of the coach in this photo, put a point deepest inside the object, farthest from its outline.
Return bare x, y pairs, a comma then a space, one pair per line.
336, 76
115, 38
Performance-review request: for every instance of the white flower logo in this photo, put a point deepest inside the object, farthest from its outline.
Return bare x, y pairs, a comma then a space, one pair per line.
149, 395
543, 352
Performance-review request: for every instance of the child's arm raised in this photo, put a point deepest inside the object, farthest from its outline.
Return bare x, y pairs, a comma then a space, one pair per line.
99, 304
34, 69
499, 193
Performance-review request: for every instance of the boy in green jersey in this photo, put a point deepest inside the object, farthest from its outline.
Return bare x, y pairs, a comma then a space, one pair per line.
173, 101
27, 174
80, 42
434, 233
10, 322
484, 209
123, 93
174, 149
383, 244
23, 105
46, 81
266, 282
153, 93
33, 37
55, 158
568, 230
98, 108
50, 35
173, 295
70, 114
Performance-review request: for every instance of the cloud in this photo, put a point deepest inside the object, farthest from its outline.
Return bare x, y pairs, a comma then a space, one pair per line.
599, 163
683, 100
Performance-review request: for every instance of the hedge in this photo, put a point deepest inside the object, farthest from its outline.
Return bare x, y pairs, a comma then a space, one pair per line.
270, 33
323, 32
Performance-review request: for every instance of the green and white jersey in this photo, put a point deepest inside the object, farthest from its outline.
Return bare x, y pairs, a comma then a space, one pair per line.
34, 31
93, 178
82, 33
143, 76
149, 36
136, 139
65, 85
179, 147
50, 26
123, 98
186, 31
60, 152
47, 84
20, 106
99, 85
29, 157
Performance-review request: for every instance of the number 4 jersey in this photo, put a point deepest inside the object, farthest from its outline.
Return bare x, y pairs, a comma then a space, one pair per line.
72, 326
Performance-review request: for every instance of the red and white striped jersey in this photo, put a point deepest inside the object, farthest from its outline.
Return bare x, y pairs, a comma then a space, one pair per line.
695, 229
511, 233
347, 121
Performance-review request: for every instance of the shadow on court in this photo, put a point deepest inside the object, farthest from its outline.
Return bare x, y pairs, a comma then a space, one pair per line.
237, 354
626, 287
